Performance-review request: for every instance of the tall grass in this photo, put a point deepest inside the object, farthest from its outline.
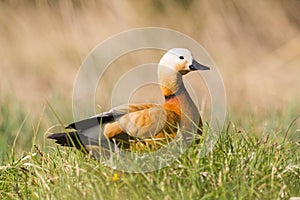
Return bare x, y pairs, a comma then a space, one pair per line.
12, 122
249, 161
241, 166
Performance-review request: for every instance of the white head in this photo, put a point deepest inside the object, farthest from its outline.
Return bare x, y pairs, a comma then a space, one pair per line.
181, 60
175, 63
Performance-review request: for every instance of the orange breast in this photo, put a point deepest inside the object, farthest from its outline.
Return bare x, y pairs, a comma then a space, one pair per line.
173, 104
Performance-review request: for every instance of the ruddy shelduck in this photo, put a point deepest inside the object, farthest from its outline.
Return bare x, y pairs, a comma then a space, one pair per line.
142, 121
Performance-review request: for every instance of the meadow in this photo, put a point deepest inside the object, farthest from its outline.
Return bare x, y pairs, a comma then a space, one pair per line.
256, 47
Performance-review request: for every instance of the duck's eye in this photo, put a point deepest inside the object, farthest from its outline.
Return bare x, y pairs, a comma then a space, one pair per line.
181, 57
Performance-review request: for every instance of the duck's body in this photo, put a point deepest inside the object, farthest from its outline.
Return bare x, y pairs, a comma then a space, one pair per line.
142, 120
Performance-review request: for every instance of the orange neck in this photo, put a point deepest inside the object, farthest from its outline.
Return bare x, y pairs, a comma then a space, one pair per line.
173, 105
173, 101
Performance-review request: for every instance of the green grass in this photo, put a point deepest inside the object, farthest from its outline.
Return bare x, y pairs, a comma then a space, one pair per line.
241, 166
12, 121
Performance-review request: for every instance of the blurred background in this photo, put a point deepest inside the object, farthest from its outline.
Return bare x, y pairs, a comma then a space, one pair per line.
255, 45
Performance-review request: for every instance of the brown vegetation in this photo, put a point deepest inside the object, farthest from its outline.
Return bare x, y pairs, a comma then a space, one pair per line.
256, 46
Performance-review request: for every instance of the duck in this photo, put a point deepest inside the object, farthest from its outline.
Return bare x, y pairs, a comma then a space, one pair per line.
112, 130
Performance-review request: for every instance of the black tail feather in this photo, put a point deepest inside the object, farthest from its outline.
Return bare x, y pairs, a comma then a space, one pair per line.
75, 139
69, 139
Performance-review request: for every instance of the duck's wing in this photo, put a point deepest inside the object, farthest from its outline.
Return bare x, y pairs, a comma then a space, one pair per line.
107, 117
144, 123
90, 131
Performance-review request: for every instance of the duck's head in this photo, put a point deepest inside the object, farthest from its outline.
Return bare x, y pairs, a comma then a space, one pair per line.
181, 60
175, 63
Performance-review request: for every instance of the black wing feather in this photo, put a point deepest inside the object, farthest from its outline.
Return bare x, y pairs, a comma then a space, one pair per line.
93, 121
